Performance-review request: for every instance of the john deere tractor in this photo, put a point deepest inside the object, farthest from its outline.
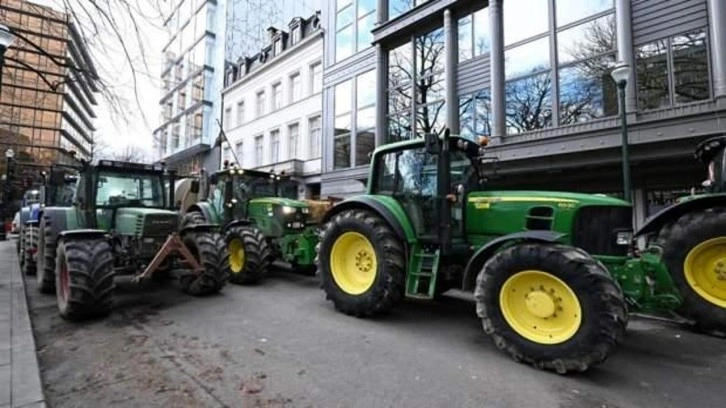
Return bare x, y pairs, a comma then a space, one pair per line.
259, 224
690, 238
121, 223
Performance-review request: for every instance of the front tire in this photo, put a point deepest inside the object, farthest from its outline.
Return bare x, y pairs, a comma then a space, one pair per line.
361, 264
209, 250
249, 254
551, 306
84, 278
45, 274
694, 250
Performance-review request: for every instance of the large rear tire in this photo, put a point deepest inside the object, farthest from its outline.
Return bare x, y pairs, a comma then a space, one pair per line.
249, 254
361, 263
45, 274
30, 249
551, 306
694, 250
84, 278
209, 250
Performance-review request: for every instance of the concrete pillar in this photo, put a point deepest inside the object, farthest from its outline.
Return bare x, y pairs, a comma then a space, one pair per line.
496, 68
451, 51
382, 11
624, 27
717, 27
381, 97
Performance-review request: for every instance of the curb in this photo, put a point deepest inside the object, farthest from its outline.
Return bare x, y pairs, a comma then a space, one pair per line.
20, 384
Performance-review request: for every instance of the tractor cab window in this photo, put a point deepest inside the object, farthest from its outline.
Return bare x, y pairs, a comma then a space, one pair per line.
116, 189
248, 187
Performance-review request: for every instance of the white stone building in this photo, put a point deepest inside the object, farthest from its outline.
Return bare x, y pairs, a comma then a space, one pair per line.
273, 106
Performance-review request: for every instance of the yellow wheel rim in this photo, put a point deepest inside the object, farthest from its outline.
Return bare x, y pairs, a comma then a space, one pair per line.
540, 307
353, 263
236, 255
705, 270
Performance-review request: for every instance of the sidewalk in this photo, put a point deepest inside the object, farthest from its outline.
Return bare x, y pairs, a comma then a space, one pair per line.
20, 384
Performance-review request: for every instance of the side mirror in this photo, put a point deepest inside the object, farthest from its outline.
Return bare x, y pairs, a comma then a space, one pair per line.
433, 145
194, 188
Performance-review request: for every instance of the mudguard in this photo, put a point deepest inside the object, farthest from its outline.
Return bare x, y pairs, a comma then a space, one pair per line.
81, 234
200, 228
487, 251
674, 212
385, 206
235, 223
204, 208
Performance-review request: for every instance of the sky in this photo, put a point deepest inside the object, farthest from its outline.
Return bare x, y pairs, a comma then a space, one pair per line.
135, 128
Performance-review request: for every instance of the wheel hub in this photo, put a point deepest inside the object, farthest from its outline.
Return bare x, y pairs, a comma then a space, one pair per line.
705, 270
353, 263
540, 304
364, 261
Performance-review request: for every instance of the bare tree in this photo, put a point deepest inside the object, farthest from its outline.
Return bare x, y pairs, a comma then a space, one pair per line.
131, 154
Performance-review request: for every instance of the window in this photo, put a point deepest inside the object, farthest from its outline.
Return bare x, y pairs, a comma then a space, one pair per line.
175, 136
365, 133
475, 114
569, 11
354, 21
227, 155
275, 145
117, 188
228, 117
673, 71
416, 99
536, 22
315, 127
341, 132
240, 113
316, 78
259, 151
474, 35
527, 59
528, 103
276, 96
398, 7
261, 101
295, 87
295, 35
586, 56
278, 47
293, 132
239, 149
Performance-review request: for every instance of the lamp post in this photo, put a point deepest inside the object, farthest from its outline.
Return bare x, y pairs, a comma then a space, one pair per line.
6, 38
9, 154
620, 74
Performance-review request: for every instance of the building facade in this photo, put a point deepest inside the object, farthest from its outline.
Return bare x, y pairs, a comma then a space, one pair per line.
273, 104
49, 86
192, 79
537, 82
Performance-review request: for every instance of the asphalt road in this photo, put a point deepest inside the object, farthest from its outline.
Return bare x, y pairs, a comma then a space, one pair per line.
280, 344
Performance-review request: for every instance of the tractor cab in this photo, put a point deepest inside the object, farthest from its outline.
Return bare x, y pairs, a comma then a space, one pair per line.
711, 154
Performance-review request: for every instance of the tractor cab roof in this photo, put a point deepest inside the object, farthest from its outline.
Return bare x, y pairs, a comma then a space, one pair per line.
420, 142
127, 167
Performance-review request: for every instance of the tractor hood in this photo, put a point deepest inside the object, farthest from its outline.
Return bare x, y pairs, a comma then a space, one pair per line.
279, 201
145, 222
545, 197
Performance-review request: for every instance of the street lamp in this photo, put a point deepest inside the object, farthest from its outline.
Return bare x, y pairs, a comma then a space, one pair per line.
9, 154
620, 74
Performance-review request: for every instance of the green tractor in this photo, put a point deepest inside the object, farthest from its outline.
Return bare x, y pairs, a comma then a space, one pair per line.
259, 224
121, 222
690, 238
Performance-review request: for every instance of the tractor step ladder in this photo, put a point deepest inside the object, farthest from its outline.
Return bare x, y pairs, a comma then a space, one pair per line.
424, 267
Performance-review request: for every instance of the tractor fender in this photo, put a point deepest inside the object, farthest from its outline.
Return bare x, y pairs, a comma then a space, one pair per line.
476, 263
24, 215
235, 223
204, 208
81, 234
676, 211
384, 206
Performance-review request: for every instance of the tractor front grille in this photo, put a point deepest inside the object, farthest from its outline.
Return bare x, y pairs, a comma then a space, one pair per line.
596, 227
159, 225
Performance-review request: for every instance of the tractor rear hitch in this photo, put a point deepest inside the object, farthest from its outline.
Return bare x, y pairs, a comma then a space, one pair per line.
172, 244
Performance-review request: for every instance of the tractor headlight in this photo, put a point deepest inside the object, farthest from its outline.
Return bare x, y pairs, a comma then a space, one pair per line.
286, 209
624, 238
234, 201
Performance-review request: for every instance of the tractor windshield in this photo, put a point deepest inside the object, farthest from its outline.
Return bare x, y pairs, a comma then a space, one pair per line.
250, 186
119, 189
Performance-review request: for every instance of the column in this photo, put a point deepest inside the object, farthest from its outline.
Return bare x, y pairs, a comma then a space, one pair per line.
717, 27
625, 48
496, 68
450, 50
381, 97
382, 11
